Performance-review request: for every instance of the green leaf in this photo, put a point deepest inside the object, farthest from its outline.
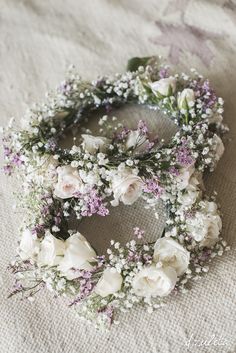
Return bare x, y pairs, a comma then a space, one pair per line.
134, 63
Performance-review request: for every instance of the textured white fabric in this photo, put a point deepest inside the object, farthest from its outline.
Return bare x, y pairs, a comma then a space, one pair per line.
38, 40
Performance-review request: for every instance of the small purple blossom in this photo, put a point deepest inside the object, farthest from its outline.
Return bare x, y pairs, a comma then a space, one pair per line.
7, 169
152, 186
7, 151
174, 171
163, 72
139, 233
142, 127
17, 160
51, 144
93, 204
184, 155
205, 93
86, 285
123, 133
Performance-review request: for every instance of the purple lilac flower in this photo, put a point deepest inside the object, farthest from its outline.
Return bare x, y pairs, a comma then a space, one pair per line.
184, 155
206, 93
51, 144
174, 171
138, 232
7, 169
163, 72
142, 127
86, 286
65, 87
38, 229
7, 151
123, 133
152, 186
93, 204
17, 160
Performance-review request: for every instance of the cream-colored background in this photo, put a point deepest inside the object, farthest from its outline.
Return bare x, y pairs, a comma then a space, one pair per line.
38, 40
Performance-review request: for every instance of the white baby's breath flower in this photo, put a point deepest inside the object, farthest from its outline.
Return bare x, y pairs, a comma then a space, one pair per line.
205, 225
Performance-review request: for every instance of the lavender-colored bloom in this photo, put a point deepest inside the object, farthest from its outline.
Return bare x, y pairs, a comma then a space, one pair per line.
7, 151
122, 134
7, 169
163, 72
142, 127
174, 171
17, 160
152, 186
205, 93
138, 232
93, 204
184, 157
51, 144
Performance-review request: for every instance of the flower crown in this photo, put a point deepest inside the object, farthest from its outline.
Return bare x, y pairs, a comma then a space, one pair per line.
121, 165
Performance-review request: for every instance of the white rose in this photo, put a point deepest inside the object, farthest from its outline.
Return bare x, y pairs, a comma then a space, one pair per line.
184, 176
219, 147
78, 255
68, 183
109, 283
126, 187
29, 245
51, 250
92, 144
170, 253
186, 98
152, 281
206, 225
137, 141
165, 86
189, 195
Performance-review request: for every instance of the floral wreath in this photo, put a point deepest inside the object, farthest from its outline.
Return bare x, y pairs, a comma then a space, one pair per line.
119, 166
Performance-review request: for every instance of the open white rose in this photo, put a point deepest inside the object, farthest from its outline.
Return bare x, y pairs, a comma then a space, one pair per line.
170, 253
126, 187
154, 282
51, 251
165, 86
29, 245
186, 98
78, 255
206, 225
68, 183
92, 144
219, 147
109, 283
